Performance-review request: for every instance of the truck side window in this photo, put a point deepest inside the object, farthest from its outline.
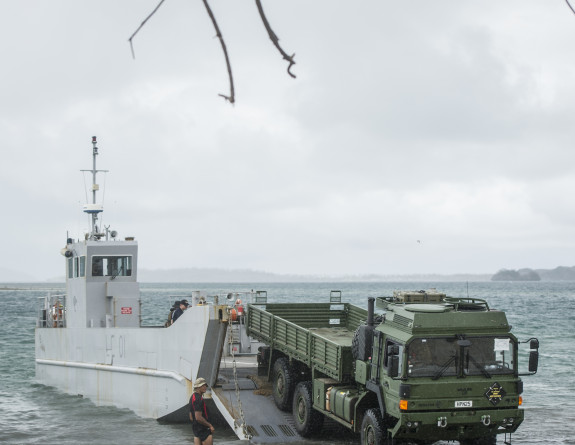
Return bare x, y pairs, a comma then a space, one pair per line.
391, 348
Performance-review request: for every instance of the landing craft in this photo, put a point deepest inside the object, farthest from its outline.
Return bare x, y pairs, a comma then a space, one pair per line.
90, 341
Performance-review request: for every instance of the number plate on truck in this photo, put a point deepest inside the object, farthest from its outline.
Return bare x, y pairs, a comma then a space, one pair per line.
463, 404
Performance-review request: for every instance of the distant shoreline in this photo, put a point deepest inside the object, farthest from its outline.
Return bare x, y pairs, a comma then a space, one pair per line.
213, 275
197, 275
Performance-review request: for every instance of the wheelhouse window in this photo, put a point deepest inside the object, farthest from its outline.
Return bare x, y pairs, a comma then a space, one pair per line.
452, 356
70, 267
111, 266
82, 267
77, 267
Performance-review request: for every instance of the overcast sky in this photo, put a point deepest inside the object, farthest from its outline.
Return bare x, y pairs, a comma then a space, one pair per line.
419, 136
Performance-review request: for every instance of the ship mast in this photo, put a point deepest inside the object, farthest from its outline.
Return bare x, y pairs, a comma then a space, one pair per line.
94, 209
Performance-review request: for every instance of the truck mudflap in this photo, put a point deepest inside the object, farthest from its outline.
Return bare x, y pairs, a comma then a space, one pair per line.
455, 425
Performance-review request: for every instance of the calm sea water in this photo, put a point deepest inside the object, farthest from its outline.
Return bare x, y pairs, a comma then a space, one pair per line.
31, 413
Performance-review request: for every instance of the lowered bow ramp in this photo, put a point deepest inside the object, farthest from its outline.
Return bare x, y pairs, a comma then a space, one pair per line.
264, 422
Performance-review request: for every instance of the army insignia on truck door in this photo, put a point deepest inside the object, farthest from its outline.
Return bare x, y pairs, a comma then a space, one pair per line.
495, 393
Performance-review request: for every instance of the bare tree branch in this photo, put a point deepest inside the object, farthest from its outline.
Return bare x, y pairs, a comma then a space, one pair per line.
231, 97
275, 39
571, 7
141, 25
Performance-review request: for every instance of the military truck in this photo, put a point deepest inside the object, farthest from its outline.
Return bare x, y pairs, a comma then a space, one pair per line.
416, 367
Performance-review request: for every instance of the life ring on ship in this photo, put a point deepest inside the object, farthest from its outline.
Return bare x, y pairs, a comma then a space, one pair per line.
239, 308
57, 314
57, 311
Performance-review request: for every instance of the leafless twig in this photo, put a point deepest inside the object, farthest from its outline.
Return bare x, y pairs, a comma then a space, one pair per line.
231, 97
275, 39
141, 25
571, 7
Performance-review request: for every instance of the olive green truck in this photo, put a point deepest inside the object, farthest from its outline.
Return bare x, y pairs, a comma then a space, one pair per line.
417, 367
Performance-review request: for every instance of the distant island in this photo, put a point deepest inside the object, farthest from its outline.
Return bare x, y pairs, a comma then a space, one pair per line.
516, 275
560, 273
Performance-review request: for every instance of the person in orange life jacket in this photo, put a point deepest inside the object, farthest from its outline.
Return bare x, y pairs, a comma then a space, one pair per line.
199, 414
179, 311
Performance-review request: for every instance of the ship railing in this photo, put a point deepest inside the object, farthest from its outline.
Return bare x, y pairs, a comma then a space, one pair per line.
51, 311
244, 298
231, 299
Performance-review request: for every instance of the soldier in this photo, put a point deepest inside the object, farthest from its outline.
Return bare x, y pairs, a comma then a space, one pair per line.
179, 311
172, 309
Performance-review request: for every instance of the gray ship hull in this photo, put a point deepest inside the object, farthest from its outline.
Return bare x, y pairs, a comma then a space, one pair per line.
149, 370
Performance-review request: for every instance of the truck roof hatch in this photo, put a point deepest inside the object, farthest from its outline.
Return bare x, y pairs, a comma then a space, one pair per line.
426, 308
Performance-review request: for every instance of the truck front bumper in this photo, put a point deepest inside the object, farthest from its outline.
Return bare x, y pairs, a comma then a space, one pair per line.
459, 424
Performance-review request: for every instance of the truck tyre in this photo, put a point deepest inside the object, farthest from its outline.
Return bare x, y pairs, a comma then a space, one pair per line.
355, 348
373, 431
360, 345
487, 440
283, 384
307, 420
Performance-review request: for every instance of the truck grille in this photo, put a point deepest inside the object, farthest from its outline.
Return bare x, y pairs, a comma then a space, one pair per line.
402, 321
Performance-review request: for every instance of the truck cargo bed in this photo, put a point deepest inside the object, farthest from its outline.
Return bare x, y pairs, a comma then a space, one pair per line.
317, 334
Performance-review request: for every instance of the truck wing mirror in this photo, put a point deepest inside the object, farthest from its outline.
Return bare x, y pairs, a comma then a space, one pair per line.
533, 355
533, 361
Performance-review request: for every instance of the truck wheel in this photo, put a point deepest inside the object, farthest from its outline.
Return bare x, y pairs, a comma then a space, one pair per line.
487, 440
373, 431
283, 384
307, 420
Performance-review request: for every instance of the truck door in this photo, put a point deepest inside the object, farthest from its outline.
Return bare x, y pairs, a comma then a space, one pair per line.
392, 368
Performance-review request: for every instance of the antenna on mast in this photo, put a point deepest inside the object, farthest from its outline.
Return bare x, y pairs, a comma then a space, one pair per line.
94, 209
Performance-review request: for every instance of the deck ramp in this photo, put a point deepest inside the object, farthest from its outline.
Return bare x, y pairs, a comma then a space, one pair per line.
265, 423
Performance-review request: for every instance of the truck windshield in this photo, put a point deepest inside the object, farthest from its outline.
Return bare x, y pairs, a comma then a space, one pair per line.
445, 356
